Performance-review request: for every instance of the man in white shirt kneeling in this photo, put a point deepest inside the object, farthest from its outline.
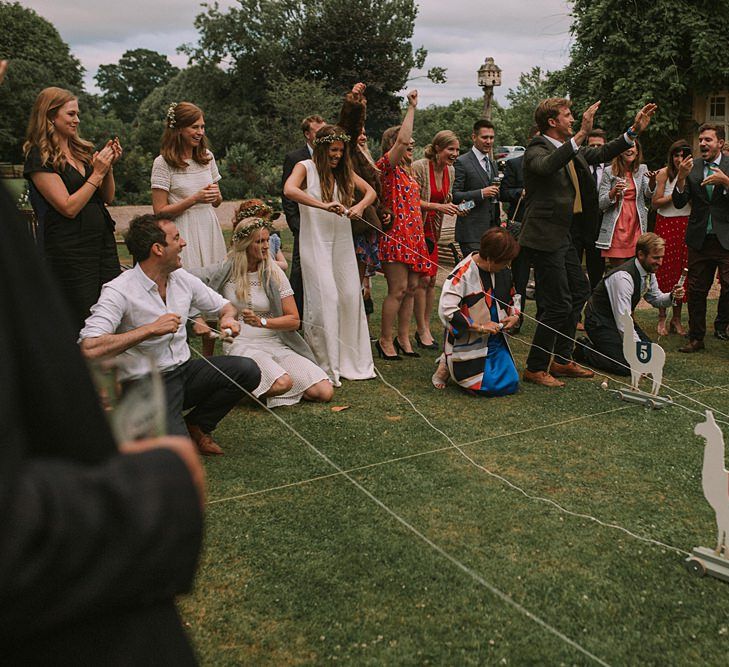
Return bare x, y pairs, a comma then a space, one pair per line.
619, 292
142, 314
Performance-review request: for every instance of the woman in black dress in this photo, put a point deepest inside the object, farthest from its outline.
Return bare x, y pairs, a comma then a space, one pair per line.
69, 187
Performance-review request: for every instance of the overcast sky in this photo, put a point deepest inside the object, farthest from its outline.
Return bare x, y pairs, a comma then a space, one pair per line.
459, 35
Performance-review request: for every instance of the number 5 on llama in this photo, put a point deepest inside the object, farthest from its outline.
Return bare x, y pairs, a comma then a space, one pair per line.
643, 357
715, 480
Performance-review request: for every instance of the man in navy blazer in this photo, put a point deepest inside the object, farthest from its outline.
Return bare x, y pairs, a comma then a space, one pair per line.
474, 178
559, 187
705, 183
309, 126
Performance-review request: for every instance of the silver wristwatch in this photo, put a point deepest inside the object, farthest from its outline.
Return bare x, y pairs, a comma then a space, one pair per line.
264, 322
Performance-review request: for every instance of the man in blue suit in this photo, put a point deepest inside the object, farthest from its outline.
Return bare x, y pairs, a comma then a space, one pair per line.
474, 180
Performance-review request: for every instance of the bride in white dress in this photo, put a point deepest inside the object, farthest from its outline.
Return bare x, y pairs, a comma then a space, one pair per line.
335, 326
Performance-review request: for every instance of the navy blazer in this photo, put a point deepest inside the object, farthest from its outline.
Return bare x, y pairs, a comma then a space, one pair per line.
469, 180
701, 206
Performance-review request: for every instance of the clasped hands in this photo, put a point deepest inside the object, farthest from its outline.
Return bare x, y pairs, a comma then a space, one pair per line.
491, 327
169, 323
210, 194
340, 209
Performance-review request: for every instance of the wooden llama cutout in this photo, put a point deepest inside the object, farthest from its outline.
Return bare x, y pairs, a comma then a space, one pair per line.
644, 358
715, 481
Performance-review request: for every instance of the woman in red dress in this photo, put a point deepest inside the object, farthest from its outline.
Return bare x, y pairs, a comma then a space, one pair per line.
403, 252
671, 226
434, 175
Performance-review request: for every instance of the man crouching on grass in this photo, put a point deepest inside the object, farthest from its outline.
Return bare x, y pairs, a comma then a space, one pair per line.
142, 314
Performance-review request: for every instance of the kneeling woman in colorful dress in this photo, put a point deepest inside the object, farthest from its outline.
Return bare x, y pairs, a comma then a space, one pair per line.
473, 307
259, 289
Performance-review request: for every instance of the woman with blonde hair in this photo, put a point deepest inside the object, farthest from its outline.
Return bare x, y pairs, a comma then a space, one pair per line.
324, 187
434, 174
257, 208
185, 185
625, 193
259, 289
70, 184
403, 253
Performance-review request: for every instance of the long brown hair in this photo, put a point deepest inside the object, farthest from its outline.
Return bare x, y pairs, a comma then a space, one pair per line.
342, 174
618, 166
680, 146
41, 133
178, 117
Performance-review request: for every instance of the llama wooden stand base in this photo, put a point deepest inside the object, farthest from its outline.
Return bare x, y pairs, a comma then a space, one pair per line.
715, 482
648, 400
703, 561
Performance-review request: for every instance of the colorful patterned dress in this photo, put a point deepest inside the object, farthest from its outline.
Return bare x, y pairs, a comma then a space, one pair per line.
405, 241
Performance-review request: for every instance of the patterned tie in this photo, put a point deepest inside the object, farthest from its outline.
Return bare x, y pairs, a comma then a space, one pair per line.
487, 167
646, 285
577, 206
594, 173
709, 168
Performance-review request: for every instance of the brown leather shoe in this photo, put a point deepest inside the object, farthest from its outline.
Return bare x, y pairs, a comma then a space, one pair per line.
692, 346
570, 370
543, 378
204, 441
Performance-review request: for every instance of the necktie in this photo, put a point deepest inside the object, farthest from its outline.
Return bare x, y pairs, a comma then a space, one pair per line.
646, 285
594, 173
487, 167
577, 206
709, 168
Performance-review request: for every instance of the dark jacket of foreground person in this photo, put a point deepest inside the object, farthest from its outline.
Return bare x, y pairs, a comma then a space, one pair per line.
93, 544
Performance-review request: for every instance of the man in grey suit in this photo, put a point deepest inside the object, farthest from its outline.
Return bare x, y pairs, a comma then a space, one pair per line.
475, 175
559, 186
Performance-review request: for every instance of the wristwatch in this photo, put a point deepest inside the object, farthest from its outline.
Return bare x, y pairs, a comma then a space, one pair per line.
264, 322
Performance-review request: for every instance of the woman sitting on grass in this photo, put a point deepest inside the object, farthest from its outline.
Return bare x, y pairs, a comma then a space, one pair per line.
472, 308
260, 291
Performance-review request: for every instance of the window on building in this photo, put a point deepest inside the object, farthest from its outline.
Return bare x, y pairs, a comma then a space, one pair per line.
717, 108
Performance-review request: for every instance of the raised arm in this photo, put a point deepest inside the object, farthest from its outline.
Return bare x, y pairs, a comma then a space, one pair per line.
397, 152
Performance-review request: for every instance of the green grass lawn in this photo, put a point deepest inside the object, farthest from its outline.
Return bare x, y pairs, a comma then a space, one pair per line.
302, 567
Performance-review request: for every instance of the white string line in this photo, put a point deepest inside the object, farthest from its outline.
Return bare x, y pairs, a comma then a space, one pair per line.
526, 494
464, 568
546, 326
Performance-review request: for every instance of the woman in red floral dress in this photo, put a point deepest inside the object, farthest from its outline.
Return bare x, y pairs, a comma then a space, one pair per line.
403, 252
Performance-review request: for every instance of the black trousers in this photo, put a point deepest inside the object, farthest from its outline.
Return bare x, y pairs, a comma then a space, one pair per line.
605, 348
561, 291
703, 265
295, 277
520, 272
594, 261
198, 385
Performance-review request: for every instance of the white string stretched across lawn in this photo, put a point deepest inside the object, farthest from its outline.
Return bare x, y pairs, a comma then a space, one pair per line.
438, 549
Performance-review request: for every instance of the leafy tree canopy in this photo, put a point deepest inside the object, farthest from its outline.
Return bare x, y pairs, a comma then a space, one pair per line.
127, 83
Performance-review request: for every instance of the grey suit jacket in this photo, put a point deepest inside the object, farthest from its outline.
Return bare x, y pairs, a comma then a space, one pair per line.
702, 206
550, 194
470, 178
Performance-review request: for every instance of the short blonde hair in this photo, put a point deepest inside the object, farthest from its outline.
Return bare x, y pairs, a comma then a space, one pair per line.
649, 242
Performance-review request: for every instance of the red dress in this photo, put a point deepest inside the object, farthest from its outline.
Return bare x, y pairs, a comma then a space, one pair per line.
436, 197
405, 241
673, 231
627, 228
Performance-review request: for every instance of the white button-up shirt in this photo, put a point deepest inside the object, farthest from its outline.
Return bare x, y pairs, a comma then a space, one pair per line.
132, 300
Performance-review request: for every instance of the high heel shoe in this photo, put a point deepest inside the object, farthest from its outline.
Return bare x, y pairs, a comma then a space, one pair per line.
400, 349
422, 345
386, 357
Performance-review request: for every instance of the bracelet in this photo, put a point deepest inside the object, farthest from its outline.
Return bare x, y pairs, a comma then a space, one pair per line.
631, 132
90, 183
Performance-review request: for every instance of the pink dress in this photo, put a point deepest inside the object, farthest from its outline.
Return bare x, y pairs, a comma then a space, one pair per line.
405, 241
627, 226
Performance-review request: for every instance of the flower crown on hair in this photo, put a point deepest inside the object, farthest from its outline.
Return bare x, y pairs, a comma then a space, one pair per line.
254, 210
245, 232
330, 138
170, 118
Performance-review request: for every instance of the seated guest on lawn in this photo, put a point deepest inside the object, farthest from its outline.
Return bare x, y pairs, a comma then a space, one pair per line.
268, 318
257, 208
142, 314
619, 292
472, 307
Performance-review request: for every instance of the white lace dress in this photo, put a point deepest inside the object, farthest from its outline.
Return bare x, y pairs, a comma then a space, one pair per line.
199, 224
335, 326
264, 346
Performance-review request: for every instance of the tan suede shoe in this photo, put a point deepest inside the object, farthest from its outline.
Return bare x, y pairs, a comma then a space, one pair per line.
543, 378
570, 370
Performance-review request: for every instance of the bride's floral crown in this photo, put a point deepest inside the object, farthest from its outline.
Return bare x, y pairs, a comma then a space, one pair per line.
170, 117
255, 223
330, 138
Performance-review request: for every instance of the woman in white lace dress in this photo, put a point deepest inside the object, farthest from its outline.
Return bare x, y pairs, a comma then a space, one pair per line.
185, 186
259, 289
335, 326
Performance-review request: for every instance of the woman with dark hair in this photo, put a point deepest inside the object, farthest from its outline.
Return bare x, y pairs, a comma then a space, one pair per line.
671, 226
473, 308
335, 326
625, 193
434, 174
185, 185
403, 252
70, 184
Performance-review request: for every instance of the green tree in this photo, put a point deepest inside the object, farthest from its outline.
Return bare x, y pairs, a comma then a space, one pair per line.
127, 83
334, 42
38, 58
627, 54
